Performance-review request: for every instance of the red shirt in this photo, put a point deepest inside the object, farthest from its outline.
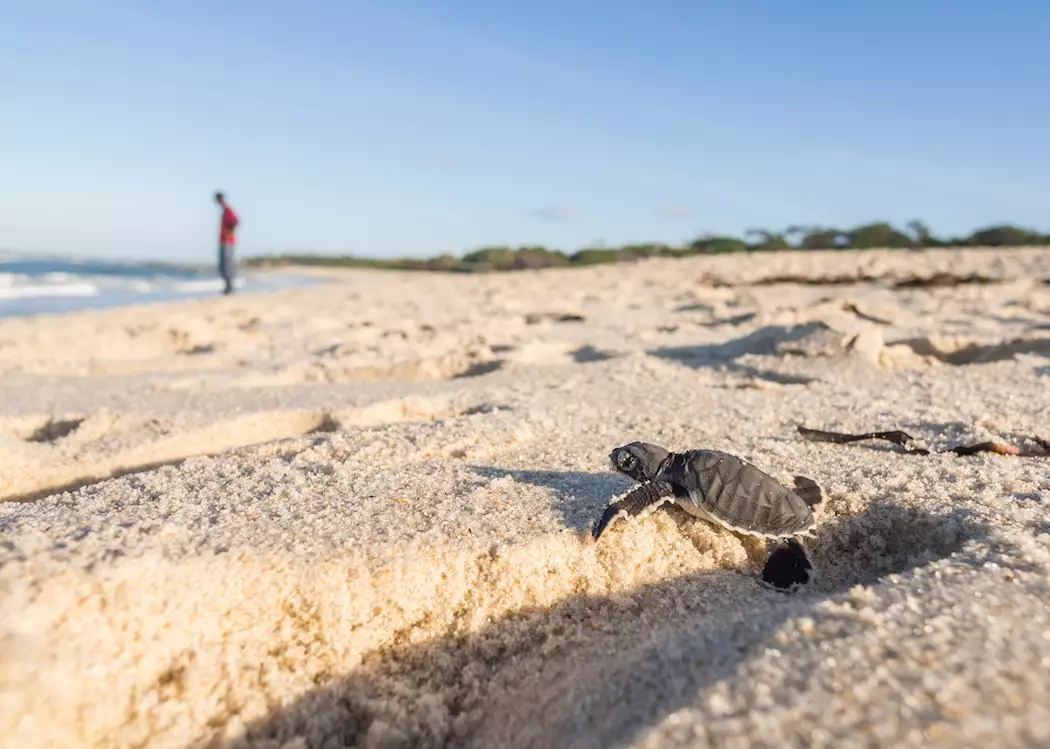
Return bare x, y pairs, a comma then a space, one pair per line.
229, 224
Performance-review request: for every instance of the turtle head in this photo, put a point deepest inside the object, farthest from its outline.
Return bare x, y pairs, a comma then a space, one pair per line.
639, 460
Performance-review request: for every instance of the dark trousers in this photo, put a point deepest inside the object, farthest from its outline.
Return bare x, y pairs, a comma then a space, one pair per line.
227, 265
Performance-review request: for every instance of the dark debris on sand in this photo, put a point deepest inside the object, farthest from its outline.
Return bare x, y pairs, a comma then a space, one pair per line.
906, 441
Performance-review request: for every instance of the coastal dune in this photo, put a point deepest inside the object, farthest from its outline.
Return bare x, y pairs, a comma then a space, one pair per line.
358, 514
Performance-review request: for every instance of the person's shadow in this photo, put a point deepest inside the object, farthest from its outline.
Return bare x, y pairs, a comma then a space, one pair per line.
594, 670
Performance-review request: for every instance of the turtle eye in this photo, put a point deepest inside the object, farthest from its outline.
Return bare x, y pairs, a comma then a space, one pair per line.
625, 461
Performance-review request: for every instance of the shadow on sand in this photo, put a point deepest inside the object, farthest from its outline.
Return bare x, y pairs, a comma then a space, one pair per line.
579, 497
772, 340
767, 341
979, 353
594, 670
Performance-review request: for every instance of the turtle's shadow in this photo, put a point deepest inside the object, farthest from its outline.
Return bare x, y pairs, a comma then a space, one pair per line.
581, 672
579, 496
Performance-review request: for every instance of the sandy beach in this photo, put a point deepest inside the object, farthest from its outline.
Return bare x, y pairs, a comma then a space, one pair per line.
358, 514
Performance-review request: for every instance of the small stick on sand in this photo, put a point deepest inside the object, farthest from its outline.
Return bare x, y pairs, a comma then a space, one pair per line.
896, 436
904, 439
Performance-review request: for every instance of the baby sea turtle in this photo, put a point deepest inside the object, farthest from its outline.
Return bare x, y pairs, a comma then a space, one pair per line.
726, 490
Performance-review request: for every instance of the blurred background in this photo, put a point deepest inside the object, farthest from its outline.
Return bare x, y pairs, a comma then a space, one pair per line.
408, 129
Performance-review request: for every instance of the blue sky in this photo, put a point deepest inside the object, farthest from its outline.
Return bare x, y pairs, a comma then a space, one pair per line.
413, 127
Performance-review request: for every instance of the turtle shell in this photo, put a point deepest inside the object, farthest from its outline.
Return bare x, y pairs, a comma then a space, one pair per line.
730, 491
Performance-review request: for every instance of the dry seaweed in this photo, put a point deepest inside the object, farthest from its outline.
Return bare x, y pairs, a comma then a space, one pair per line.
905, 440
895, 436
942, 280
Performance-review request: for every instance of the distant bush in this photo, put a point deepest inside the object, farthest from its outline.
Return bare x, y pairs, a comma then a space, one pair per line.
717, 245
825, 239
1006, 236
767, 241
879, 234
596, 257
873, 236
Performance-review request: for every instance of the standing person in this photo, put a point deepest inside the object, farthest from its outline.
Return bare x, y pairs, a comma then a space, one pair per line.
227, 242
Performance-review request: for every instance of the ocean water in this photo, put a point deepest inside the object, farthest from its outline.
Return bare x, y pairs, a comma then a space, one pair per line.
35, 285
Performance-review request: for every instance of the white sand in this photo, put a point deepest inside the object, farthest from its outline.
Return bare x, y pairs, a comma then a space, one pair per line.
379, 536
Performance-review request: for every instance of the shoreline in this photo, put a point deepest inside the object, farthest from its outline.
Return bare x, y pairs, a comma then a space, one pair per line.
86, 297
856, 265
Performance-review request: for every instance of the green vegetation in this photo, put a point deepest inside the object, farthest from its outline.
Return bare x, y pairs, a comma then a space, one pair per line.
869, 236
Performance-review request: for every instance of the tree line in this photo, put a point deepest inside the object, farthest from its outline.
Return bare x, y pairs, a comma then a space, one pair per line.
878, 235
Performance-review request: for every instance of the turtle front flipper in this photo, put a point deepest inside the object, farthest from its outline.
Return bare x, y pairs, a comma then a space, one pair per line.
645, 497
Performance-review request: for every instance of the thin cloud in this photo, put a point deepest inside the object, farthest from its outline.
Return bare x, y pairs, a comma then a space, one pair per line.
556, 213
673, 210
444, 160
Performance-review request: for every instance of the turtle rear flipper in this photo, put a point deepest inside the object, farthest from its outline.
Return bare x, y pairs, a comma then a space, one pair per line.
788, 568
809, 490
